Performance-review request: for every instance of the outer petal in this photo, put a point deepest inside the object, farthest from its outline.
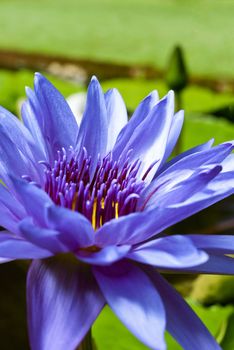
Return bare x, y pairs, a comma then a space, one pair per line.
105, 256
56, 120
217, 264
8, 220
138, 227
75, 230
195, 160
63, 302
174, 134
199, 148
135, 301
30, 121
15, 248
18, 134
154, 131
33, 199
182, 322
93, 129
44, 238
176, 190
171, 251
11, 203
20, 164
138, 116
116, 115
214, 243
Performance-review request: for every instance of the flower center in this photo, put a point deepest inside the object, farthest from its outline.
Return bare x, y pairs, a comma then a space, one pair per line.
112, 191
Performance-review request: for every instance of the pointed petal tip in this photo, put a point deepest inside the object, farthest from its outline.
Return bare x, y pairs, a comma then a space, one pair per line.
94, 79
170, 95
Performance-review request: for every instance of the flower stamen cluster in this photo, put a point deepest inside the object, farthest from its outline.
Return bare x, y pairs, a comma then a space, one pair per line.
111, 192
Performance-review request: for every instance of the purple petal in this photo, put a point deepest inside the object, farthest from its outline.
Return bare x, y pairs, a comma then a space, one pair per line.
75, 230
44, 238
154, 130
16, 248
11, 203
140, 226
203, 147
174, 134
19, 164
171, 251
63, 302
213, 155
138, 116
105, 256
214, 243
217, 264
135, 301
56, 120
33, 199
29, 112
5, 260
93, 128
184, 189
8, 220
182, 322
18, 133
116, 115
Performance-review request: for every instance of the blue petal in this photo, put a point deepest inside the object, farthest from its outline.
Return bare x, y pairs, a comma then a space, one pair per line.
33, 199
56, 120
214, 243
19, 165
5, 260
8, 220
138, 116
75, 230
29, 111
217, 264
105, 256
148, 141
63, 302
19, 134
16, 248
140, 226
171, 251
135, 301
182, 322
11, 203
182, 190
199, 148
174, 134
93, 129
116, 115
214, 155
44, 238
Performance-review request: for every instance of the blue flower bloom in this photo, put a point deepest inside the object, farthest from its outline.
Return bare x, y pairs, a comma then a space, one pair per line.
89, 205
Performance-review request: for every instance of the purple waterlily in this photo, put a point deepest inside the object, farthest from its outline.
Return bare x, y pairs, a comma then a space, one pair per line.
89, 205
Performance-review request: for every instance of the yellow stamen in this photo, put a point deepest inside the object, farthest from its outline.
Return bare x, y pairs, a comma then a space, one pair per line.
94, 214
116, 210
74, 201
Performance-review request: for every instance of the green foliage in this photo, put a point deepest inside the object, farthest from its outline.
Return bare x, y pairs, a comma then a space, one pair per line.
226, 333
194, 98
109, 332
176, 73
12, 87
131, 31
211, 289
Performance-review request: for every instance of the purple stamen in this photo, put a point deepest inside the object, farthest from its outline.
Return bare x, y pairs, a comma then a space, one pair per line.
113, 190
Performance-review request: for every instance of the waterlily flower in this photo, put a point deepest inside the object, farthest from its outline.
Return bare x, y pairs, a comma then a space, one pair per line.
89, 205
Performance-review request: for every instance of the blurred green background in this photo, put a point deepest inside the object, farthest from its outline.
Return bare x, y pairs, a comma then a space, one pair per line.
135, 46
